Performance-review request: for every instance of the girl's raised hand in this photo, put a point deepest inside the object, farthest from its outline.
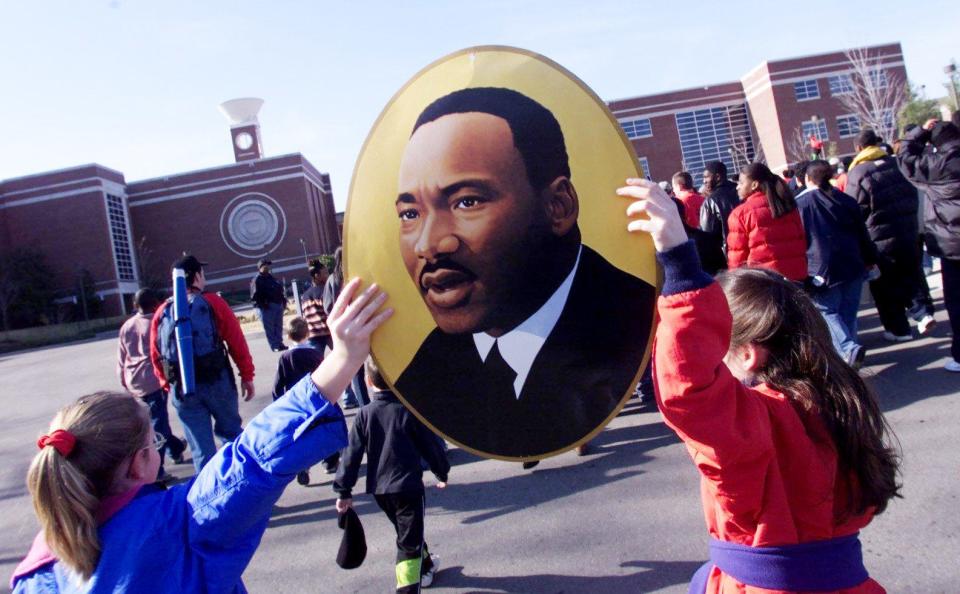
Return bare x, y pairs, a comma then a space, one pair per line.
664, 224
353, 320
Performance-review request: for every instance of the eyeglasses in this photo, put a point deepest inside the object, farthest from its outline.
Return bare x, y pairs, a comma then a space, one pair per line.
158, 442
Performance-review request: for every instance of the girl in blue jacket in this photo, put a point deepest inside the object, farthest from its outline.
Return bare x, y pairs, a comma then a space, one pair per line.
106, 528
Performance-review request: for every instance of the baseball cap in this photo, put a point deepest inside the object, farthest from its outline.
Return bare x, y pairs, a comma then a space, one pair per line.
263, 262
189, 263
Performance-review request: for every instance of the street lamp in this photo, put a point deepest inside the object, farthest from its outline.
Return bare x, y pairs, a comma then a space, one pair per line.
951, 71
303, 245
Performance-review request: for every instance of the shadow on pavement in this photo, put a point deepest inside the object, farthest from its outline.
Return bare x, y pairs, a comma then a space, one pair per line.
654, 575
610, 453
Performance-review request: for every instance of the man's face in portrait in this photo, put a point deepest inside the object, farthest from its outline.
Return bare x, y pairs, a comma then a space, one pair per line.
473, 232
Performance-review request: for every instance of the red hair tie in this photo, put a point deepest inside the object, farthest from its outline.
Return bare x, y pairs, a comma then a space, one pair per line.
61, 440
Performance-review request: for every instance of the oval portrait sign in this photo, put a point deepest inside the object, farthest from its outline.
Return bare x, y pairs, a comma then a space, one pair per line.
483, 202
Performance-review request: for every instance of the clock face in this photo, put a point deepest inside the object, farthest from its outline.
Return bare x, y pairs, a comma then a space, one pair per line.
243, 141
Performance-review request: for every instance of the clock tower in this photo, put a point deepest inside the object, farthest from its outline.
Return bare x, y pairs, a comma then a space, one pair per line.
244, 127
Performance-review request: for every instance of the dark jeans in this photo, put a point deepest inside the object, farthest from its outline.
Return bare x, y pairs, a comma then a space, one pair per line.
216, 401
839, 305
406, 511
272, 317
922, 304
894, 291
321, 342
157, 403
950, 270
357, 390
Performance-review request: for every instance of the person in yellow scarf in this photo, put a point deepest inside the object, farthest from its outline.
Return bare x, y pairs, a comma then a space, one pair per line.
888, 203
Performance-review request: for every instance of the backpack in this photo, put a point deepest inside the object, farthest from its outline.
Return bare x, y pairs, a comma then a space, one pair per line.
209, 355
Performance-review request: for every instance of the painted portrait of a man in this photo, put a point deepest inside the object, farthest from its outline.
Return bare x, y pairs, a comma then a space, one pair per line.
538, 338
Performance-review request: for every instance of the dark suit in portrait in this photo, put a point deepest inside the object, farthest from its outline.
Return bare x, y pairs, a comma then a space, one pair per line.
584, 368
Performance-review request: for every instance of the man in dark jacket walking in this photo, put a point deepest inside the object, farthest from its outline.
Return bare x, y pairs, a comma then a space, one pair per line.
395, 442
888, 204
839, 250
937, 172
267, 295
721, 199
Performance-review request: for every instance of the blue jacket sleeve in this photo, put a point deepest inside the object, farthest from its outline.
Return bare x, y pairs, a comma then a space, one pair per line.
229, 503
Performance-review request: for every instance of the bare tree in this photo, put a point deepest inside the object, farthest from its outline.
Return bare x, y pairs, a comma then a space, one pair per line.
797, 146
145, 261
744, 151
876, 94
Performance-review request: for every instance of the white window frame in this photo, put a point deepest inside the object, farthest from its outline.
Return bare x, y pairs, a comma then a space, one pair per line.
845, 82
645, 165
847, 117
878, 78
806, 88
634, 121
806, 135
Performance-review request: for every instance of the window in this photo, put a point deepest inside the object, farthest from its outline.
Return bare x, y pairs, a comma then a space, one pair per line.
715, 134
639, 128
877, 78
117, 215
840, 84
814, 128
848, 125
888, 121
806, 90
646, 167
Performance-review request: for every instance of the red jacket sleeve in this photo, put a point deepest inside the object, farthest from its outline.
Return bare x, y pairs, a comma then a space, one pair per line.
230, 332
724, 424
155, 347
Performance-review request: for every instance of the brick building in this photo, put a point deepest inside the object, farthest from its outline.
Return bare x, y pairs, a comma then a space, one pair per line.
764, 110
126, 234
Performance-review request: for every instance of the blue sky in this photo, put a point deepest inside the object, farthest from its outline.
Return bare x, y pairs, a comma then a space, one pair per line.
135, 85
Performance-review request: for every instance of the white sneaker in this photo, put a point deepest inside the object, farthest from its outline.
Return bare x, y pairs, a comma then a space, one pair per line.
926, 324
953, 366
426, 580
891, 337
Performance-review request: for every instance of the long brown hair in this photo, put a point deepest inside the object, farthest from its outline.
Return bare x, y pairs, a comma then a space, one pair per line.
109, 429
779, 197
771, 312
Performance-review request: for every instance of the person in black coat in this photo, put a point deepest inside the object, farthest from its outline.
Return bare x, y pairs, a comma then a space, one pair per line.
395, 442
839, 250
720, 200
888, 204
936, 169
292, 366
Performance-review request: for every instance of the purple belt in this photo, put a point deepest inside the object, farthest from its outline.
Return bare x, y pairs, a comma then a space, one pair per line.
819, 566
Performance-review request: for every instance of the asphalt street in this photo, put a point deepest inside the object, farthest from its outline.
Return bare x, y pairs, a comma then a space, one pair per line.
624, 518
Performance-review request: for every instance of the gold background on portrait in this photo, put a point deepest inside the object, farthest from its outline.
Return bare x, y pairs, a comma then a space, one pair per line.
601, 158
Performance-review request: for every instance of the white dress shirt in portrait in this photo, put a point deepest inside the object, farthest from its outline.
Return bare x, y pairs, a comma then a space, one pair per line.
520, 346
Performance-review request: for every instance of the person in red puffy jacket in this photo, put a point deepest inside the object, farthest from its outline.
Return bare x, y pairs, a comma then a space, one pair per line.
794, 454
766, 230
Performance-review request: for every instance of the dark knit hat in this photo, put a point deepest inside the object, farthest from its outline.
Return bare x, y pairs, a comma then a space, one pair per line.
353, 545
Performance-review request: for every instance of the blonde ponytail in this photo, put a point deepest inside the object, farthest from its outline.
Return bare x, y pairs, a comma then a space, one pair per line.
67, 489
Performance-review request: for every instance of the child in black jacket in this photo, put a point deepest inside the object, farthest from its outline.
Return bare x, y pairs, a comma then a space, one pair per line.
292, 366
395, 442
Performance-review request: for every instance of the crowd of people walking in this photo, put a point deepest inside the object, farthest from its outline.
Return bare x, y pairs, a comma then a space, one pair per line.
755, 373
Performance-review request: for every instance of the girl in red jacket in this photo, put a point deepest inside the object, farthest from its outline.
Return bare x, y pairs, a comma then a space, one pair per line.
793, 452
765, 231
